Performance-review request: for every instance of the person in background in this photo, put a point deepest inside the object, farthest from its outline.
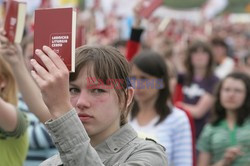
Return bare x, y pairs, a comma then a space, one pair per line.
198, 83
161, 45
13, 123
244, 64
120, 45
153, 115
225, 141
30, 93
224, 63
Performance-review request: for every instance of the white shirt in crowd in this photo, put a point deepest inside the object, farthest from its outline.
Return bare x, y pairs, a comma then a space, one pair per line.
225, 68
174, 133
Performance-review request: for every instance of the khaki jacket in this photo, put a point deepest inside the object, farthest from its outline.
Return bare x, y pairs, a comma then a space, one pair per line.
123, 148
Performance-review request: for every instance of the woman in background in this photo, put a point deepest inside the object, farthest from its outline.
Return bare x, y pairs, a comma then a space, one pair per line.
153, 115
225, 141
198, 82
13, 123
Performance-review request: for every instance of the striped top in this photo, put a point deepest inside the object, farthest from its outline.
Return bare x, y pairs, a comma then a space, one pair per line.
41, 146
174, 133
216, 139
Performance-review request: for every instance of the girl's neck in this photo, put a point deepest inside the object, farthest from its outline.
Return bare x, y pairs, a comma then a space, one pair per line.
231, 119
103, 135
146, 106
146, 113
200, 73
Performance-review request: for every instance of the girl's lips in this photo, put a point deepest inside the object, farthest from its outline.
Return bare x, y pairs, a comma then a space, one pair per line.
229, 101
85, 117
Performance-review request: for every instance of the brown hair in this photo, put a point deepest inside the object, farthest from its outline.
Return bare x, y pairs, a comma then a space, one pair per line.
194, 47
108, 63
152, 63
217, 41
9, 92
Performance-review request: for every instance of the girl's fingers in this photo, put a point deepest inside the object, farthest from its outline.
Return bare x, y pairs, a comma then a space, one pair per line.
46, 61
2, 31
6, 52
54, 57
12, 48
40, 71
3, 39
38, 79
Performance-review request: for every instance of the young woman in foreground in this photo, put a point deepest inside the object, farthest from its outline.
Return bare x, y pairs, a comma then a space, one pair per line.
88, 114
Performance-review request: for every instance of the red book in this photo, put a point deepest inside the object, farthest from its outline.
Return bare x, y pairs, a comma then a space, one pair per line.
56, 28
15, 20
149, 7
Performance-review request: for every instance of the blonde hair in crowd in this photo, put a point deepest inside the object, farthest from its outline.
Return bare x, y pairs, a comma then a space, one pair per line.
9, 92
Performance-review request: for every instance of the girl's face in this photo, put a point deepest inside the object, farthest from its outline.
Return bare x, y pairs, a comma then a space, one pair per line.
219, 53
145, 85
98, 107
232, 94
200, 59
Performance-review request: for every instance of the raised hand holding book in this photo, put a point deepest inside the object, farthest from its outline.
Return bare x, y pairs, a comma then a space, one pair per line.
149, 6
14, 22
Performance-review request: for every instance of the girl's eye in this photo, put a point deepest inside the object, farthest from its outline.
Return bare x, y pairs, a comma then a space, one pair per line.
98, 90
74, 91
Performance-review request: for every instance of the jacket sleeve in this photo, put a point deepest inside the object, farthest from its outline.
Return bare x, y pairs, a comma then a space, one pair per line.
74, 146
72, 141
133, 43
22, 124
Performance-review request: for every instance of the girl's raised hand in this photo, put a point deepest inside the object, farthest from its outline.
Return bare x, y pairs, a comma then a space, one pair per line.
11, 52
53, 81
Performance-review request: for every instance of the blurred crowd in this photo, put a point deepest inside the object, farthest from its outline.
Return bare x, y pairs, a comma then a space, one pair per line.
202, 113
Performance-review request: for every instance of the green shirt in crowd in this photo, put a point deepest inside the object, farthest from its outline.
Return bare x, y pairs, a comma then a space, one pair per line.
14, 145
216, 139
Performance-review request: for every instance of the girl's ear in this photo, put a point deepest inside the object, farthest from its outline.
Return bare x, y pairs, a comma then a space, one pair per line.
130, 92
2, 84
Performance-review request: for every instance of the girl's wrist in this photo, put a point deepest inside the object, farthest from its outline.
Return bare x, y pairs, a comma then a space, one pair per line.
57, 112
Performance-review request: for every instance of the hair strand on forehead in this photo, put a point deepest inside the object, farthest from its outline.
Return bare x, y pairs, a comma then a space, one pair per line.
9, 92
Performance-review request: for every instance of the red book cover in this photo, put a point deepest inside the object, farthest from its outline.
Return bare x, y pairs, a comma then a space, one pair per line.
80, 37
56, 28
149, 7
15, 20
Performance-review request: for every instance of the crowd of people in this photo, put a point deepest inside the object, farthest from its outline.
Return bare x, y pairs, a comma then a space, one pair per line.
177, 95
